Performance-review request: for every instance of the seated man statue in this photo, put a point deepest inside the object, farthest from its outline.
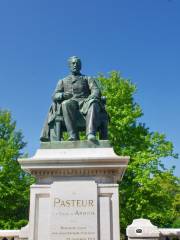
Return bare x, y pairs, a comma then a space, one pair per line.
75, 94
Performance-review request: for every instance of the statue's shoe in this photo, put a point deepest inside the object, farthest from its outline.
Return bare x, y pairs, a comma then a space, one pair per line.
91, 137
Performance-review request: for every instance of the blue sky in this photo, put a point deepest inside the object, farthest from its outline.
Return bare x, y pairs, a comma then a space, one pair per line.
140, 38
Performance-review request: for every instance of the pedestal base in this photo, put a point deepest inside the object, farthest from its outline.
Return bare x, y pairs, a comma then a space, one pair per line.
76, 195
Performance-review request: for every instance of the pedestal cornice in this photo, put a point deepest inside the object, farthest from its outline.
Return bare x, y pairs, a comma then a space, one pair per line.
98, 160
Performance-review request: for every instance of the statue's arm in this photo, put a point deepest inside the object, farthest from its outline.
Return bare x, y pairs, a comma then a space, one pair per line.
94, 88
58, 94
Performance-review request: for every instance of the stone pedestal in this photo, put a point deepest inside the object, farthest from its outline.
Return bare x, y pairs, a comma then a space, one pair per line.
142, 229
76, 194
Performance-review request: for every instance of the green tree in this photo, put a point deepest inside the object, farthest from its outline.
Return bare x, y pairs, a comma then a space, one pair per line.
148, 189
14, 183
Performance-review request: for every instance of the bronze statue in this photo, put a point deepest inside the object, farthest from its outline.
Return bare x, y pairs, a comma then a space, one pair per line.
77, 105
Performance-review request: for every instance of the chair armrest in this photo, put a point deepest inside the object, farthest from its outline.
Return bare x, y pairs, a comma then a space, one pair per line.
103, 100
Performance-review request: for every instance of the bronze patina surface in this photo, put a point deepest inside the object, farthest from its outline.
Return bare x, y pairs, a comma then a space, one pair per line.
77, 98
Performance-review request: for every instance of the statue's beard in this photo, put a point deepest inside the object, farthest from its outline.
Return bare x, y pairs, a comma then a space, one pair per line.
75, 71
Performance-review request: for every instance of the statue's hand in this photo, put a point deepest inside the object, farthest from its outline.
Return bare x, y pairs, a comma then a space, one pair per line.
58, 97
67, 96
91, 97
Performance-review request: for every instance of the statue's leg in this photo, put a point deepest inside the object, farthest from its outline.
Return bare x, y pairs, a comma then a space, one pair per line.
58, 129
70, 109
103, 128
92, 119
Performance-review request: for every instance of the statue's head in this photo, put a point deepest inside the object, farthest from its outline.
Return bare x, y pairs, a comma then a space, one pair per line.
74, 64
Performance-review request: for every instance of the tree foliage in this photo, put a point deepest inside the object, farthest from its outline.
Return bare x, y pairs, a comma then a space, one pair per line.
14, 183
148, 189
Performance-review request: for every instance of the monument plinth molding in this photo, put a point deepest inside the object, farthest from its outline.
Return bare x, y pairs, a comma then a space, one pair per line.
76, 193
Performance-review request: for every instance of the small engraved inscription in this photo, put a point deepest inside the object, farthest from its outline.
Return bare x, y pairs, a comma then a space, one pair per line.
74, 211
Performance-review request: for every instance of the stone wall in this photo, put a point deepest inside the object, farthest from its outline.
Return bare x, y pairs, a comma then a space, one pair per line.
142, 229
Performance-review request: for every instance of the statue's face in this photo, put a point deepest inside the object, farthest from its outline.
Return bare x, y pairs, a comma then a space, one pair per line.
75, 65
